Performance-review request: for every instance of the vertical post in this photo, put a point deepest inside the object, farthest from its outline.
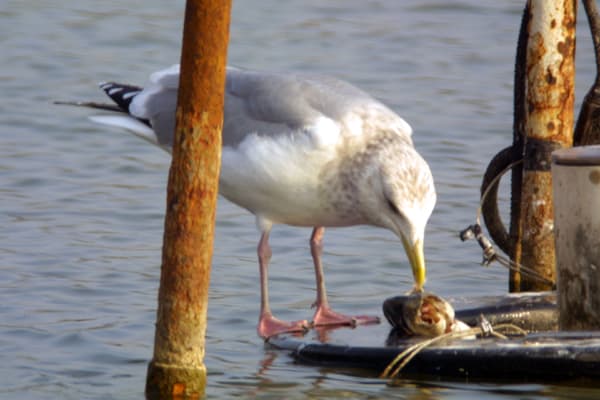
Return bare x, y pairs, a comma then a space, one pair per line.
516, 179
548, 126
576, 175
177, 367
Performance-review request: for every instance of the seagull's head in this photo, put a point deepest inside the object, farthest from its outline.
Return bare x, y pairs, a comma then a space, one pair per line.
406, 200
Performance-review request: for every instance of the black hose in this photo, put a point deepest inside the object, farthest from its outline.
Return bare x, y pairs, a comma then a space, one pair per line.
489, 203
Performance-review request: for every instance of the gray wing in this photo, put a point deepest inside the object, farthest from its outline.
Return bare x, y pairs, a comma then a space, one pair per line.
256, 102
272, 104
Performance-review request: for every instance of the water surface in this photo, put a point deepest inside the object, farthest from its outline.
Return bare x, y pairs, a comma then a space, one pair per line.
82, 206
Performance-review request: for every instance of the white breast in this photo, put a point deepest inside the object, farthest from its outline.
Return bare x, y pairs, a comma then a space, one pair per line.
277, 177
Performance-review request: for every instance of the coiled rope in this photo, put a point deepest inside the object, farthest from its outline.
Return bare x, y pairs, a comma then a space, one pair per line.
484, 329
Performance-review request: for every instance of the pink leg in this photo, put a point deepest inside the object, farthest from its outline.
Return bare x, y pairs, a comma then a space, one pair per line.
268, 325
324, 315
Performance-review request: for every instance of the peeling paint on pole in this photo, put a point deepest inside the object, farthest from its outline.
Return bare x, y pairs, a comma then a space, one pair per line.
551, 70
548, 126
177, 367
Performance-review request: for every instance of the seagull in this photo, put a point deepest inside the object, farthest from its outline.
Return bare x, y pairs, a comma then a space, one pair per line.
302, 150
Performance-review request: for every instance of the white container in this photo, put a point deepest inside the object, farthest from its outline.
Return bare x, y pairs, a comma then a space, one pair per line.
576, 187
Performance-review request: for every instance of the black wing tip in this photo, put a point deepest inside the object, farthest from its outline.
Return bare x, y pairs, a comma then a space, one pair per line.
120, 93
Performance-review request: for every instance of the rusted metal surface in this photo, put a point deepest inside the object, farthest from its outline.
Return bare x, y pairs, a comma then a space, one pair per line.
548, 125
576, 174
551, 70
516, 181
177, 367
537, 243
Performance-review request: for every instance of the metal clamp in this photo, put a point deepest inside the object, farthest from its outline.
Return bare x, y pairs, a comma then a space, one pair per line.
475, 232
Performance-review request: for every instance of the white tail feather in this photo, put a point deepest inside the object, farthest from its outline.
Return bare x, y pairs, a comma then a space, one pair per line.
130, 124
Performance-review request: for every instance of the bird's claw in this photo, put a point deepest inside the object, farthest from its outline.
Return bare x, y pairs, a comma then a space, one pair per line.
269, 326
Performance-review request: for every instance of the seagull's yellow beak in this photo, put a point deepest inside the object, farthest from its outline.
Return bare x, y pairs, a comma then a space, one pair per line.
417, 261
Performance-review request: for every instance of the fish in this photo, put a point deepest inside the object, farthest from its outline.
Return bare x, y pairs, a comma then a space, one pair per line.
421, 314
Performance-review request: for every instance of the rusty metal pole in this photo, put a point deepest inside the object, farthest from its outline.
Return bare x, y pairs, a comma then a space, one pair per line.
548, 126
177, 367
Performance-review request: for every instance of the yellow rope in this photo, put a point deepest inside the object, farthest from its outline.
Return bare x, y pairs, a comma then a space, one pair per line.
393, 369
